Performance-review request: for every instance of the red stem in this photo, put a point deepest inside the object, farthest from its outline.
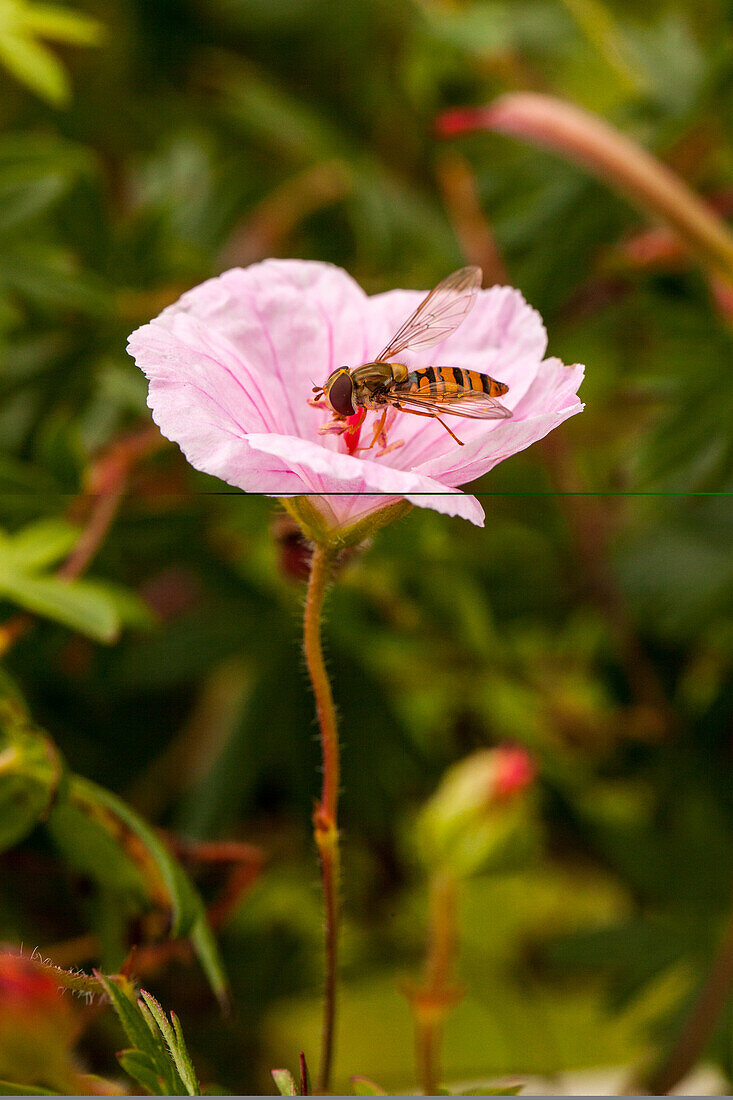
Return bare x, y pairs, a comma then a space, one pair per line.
325, 818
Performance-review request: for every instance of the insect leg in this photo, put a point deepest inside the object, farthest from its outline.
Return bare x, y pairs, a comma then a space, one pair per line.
431, 416
377, 431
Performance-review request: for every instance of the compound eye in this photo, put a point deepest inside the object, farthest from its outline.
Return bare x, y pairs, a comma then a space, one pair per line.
340, 395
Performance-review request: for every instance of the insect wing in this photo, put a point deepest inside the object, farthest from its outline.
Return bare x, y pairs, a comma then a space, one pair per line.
438, 315
473, 404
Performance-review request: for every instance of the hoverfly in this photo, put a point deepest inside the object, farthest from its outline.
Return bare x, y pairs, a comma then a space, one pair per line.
385, 383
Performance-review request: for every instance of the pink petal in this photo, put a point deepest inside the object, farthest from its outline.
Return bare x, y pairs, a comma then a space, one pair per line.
550, 400
232, 364
277, 328
502, 336
333, 473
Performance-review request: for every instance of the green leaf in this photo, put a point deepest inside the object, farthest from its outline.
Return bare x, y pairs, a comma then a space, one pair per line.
50, 275
36, 171
173, 1036
30, 772
62, 25
34, 66
28, 59
122, 997
145, 1041
84, 605
11, 1088
131, 610
493, 1090
141, 1068
364, 1086
81, 605
102, 836
206, 948
285, 1082
183, 1059
42, 543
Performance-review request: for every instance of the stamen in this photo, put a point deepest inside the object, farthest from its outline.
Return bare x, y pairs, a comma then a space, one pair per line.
391, 447
334, 427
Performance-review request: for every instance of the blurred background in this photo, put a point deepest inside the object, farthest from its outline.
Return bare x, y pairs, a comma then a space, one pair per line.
145, 146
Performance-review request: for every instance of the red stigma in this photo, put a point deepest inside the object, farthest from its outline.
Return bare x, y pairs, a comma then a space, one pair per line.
353, 431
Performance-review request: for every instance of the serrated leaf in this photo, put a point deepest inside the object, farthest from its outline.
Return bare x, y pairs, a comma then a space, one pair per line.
140, 1067
285, 1082
173, 1034
183, 1059
122, 997
121, 994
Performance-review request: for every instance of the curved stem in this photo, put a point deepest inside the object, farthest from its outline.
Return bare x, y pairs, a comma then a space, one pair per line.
699, 1025
325, 817
612, 157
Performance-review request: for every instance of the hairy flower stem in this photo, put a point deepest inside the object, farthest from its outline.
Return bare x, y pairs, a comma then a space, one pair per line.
432, 1001
325, 817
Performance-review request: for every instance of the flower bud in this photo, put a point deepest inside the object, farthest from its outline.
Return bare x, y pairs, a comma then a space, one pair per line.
477, 812
38, 1026
294, 550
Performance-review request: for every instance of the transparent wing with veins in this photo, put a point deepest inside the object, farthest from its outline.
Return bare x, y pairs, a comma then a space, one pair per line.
438, 315
473, 404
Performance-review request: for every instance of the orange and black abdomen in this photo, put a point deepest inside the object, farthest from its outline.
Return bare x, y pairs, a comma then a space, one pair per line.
449, 382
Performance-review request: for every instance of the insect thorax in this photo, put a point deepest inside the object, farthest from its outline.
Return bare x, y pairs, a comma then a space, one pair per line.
379, 374
373, 380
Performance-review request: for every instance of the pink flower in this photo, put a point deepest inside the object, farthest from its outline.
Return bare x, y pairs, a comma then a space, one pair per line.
232, 366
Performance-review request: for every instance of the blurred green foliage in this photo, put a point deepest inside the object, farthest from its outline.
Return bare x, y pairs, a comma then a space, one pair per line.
595, 629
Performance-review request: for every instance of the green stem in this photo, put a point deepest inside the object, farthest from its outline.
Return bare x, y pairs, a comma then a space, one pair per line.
325, 818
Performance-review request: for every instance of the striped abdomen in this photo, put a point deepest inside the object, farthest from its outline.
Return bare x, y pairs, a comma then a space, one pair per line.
449, 382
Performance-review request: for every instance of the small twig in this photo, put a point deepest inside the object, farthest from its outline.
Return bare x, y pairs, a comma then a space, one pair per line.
471, 225
273, 221
246, 862
107, 483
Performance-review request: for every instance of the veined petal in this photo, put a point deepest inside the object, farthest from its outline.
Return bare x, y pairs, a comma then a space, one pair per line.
232, 365
550, 400
343, 473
